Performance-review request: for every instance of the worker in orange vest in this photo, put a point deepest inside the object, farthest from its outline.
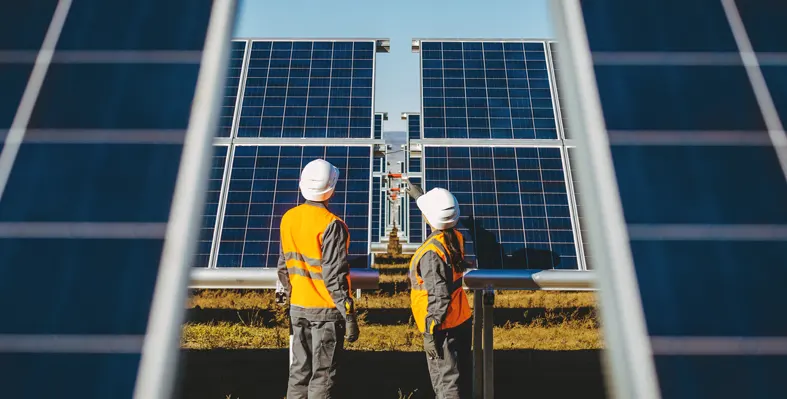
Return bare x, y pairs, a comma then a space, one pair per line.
315, 275
439, 304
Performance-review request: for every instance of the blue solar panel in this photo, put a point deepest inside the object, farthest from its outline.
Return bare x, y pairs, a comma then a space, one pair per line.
85, 208
231, 87
377, 212
309, 89
513, 201
416, 226
210, 214
483, 90
378, 126
414, 126
580, 217
702, 189
413, 164
264, 185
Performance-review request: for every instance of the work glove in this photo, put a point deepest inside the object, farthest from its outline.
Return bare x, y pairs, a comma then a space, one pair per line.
352, 329
281, 298
414, 191
430, 347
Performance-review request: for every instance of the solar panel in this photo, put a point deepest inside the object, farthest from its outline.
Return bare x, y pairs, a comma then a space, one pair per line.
691, 100
414, 126
264, 185
88, 175
309, 89
211, 211
378, 125
413, 164
580, 216
483, 90
416, 223
377, 197
556, 70
231, 87
513, 201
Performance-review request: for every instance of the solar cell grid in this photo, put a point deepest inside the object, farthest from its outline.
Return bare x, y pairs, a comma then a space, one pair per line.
416, 226
414, 126
231, 87
264, 185
376, 209
414, 164
210, 214
378, 126
558, 93
513, 201
309, 89
478, 90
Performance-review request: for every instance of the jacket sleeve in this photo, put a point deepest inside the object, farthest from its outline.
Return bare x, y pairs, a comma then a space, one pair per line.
284, 277
434, 272
336, 268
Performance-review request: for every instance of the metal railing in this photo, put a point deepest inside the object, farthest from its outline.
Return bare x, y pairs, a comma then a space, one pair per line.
484, 282
265, 278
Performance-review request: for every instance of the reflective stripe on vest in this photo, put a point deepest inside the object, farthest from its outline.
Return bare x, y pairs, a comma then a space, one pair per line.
302, 231
458, 308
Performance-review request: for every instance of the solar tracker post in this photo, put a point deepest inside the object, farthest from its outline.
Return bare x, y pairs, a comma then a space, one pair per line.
478, 353
489, 349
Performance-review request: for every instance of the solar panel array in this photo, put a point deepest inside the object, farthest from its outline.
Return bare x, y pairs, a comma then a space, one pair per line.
377, 197
414, 126
378, 125
211, 211
486, 90
514, 194
415, 222
231, 87
553, 49
86, 200
313, 89
692, 95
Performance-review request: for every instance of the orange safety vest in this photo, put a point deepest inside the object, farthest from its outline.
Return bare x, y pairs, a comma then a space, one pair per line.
458, 308
302, 228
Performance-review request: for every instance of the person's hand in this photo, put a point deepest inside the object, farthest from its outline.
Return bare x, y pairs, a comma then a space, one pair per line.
430, 347
352, 330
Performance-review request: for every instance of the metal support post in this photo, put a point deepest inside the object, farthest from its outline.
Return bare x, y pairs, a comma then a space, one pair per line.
489, 358
478, 359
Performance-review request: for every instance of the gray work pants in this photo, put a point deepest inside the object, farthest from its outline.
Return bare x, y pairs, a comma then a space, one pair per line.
452, 375
317, 347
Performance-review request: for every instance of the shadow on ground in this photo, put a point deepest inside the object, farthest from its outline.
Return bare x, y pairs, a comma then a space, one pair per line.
246, 374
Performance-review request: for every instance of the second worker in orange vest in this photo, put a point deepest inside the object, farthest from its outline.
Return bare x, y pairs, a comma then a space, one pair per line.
315, 274
439, 304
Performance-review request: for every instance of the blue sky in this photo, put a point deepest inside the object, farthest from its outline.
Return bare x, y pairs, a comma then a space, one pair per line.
400, 21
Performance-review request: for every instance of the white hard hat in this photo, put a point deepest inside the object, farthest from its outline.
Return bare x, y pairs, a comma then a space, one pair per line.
318, 179
440, 208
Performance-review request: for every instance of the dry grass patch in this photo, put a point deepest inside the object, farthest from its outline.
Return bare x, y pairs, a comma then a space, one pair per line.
541, 334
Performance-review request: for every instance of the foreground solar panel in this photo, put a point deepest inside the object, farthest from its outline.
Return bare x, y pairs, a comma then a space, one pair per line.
264, 185
513, 201
85, 202
691, 98
483, 90
309, 89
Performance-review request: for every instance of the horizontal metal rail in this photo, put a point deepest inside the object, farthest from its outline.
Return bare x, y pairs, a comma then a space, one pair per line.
530, 279
265, 278
407, 248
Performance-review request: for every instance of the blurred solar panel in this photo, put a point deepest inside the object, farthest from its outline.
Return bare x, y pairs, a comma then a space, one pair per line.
210, 214
378, 125
413, 164
231, 87
87, 200
702, 188
482, 90
414, 126
513, 201
264, 185
309, 89
416, 224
